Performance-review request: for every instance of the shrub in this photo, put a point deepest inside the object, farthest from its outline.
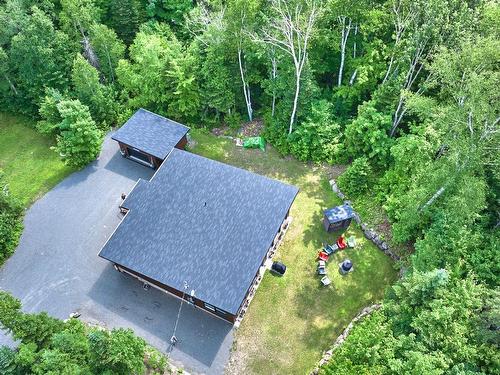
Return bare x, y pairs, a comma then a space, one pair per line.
51, 346
356, 178
78, 138
317, 138
155, 360
11, 224
126, 352
368, 135
275, 133
73, 341
119, 351
233, 120
29, 328
7, 361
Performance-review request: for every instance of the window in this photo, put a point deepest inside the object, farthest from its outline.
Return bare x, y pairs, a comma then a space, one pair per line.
220, 312
210, 307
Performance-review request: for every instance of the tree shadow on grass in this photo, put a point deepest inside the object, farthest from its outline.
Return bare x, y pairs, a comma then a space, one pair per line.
328, 310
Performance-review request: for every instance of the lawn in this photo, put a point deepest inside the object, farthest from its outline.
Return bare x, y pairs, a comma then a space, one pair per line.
31, 168
293, 319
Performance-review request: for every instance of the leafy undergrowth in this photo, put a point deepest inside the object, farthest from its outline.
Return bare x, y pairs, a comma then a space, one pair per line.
293, 319
373, 214
30, 167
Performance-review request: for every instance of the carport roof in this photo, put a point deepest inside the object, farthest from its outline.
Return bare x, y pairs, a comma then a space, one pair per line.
151, 133
203, 222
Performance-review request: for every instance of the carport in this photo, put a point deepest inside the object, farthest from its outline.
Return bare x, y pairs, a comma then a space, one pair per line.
147, 138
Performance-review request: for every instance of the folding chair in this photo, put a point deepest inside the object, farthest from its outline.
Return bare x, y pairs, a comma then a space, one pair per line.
325, 281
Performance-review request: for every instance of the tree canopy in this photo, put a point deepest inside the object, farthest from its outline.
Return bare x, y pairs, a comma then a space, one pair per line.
403, 91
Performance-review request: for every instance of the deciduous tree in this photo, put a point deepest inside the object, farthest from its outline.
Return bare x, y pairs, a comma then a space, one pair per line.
289, 28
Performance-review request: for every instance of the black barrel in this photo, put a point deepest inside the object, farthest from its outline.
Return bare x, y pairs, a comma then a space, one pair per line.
278, 268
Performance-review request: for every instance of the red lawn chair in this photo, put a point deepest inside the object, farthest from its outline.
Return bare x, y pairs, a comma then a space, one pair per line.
341, 243
323, 256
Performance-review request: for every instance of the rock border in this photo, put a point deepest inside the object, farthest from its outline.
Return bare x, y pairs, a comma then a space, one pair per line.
343, 336
368, 232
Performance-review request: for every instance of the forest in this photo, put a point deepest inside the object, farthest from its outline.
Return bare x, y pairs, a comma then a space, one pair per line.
403, 92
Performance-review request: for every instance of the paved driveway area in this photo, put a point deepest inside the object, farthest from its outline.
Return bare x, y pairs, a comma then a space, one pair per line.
56, 268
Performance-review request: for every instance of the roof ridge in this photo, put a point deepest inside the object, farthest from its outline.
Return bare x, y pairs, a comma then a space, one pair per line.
176, 150
163, 117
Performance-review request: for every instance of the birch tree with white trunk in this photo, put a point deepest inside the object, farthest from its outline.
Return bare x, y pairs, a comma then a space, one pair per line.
240, 35
289, 29
420, 27
354, 51
471, 125
403, 14
345, 28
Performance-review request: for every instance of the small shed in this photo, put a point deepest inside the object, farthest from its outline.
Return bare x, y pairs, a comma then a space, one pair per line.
338, 218
148, 138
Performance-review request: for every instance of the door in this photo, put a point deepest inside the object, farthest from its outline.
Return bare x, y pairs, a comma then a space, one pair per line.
139, 156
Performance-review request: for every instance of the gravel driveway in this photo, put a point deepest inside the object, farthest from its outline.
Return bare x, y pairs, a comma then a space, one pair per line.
56, 268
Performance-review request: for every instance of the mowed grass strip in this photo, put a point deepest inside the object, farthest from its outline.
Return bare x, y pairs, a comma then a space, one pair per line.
31, 168
293, 319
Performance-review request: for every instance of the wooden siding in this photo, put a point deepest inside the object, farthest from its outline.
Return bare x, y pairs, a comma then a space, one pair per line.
182, 143
155, 162
331, 227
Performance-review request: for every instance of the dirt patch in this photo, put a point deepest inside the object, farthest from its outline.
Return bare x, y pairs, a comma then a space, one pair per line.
333, 171
384, 229
251, 128
223, 130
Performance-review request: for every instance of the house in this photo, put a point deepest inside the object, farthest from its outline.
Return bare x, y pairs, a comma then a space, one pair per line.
338, 218
148, 138
201, 230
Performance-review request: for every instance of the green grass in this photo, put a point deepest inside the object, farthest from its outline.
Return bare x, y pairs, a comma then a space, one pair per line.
31, 168
293, 319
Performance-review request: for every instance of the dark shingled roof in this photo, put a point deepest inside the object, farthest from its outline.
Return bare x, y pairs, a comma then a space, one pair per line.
151, 133
339, 213
137, 194
203, 222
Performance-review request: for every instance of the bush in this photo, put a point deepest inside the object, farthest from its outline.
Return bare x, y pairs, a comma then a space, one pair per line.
11, 224
275, 132
126, 352
155, 360
357, 177
7, 361
51, 346
29, 328
233, 120
317, 138
120, 351
78, 138
368, 135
